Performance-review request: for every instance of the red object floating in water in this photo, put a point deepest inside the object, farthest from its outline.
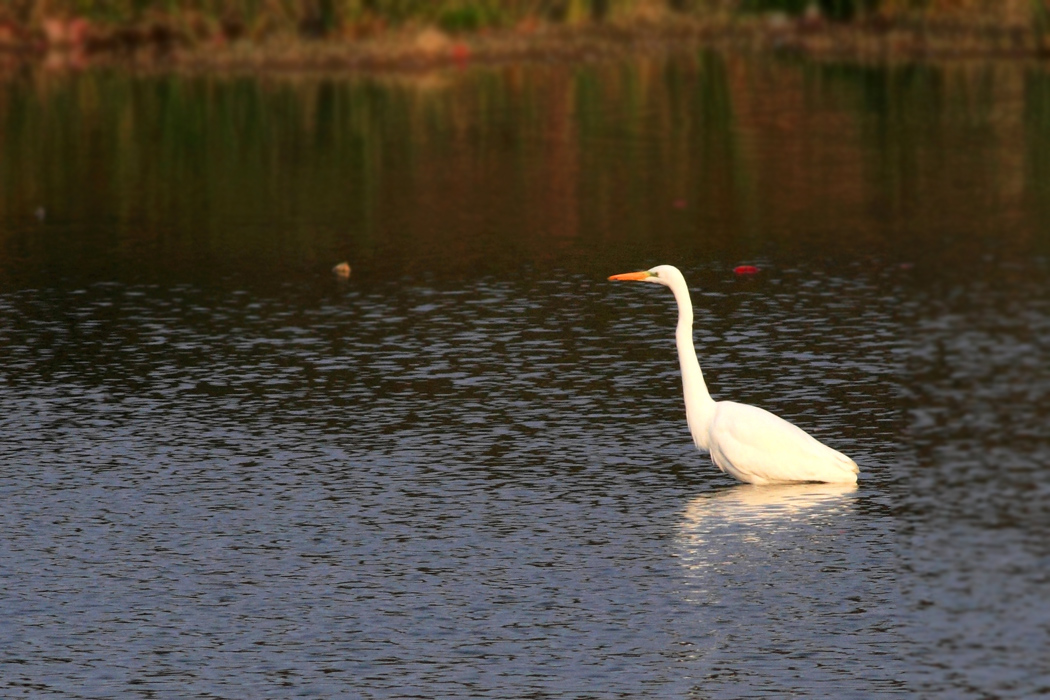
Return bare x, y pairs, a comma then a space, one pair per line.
745, 270
679, 204
460, 52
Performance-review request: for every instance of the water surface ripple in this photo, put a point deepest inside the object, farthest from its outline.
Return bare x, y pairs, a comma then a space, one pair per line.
434, 490
465, 471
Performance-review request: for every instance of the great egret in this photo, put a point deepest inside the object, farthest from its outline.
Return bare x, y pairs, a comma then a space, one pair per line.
746, 442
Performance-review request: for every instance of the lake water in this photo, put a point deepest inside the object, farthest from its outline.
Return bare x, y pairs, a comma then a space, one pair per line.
465, 470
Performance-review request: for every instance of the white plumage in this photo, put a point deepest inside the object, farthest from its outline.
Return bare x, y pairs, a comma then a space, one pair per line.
746, 442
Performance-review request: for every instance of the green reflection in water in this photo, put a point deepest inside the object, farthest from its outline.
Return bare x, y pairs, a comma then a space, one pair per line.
1037, 152
695, 157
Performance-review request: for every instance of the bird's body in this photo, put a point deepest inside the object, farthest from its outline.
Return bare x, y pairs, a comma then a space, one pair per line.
746, 442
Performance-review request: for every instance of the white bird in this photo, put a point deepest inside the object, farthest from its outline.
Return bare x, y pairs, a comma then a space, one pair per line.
746, 442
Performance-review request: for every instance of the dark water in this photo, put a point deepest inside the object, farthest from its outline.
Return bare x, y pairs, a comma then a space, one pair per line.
465, 471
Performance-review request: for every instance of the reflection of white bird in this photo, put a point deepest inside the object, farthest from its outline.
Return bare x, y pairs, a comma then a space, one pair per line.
746, 442
773, 503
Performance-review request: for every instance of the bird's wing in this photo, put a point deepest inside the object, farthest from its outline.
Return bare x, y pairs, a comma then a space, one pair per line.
754, 445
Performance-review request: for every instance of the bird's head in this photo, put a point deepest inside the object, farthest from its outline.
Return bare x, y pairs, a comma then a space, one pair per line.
661, 274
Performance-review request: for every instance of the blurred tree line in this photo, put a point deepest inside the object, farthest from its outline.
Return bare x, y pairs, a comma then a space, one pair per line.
323, 16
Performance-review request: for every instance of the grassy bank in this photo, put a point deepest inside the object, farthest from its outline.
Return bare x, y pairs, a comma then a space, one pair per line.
418, 33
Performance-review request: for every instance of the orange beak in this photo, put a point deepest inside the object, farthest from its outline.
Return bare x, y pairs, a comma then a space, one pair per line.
632, 276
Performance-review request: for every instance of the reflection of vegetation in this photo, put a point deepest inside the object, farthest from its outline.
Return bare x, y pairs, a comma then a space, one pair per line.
1037, 151
248, 166
707, 149
942, 148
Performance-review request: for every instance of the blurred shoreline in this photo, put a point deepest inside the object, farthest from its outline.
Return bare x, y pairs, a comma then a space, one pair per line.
194, 42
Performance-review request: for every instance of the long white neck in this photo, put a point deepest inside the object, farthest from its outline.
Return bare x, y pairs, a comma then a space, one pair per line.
699, 406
